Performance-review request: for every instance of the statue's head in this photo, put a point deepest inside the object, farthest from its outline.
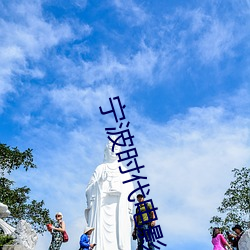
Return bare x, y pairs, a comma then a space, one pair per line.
4, 212
110, 156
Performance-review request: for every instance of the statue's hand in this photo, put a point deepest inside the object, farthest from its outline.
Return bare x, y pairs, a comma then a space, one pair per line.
104, 175
90, 202
131, 217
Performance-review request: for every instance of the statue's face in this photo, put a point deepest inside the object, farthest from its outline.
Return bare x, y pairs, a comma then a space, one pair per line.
117, 148
110, 155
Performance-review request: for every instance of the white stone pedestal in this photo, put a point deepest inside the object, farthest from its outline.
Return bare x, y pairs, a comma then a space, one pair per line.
13, 247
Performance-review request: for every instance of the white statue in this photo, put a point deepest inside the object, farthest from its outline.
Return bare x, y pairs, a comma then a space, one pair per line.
108, 209
244, 242
25, 235
4, 212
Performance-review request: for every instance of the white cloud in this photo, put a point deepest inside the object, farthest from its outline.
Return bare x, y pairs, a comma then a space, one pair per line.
105, 69
80, 3
131, 12
194, 155
217, 42
32, 33
10, 57
198, 19
143, 64
80, 102
188, 162
201, 34
25, 35
123, 70
240, 101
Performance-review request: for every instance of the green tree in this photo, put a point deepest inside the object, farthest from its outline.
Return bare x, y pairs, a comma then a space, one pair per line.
17, 199
6, 239
235, 207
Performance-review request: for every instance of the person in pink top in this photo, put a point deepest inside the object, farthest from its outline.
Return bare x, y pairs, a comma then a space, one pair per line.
218, 240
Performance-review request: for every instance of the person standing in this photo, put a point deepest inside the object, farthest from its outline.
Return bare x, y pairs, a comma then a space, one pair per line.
56, 231
85, 239
238, 230
218, 240
143, 227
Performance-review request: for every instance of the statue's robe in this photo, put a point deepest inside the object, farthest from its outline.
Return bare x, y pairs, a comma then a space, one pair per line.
108, 209
244, 242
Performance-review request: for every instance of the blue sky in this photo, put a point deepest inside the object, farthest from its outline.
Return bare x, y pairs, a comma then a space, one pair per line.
181, 68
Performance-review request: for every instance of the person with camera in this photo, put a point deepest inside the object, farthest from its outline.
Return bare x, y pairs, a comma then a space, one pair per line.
234, 238
231, 240
85, 239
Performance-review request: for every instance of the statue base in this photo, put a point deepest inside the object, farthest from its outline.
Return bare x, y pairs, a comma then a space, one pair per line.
12, 247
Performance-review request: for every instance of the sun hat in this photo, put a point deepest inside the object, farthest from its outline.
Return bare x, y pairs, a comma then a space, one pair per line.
59, 213
88, 229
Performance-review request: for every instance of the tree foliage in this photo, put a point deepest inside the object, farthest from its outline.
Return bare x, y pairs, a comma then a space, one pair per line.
6, 240
235, 207
13, 158
17, 199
